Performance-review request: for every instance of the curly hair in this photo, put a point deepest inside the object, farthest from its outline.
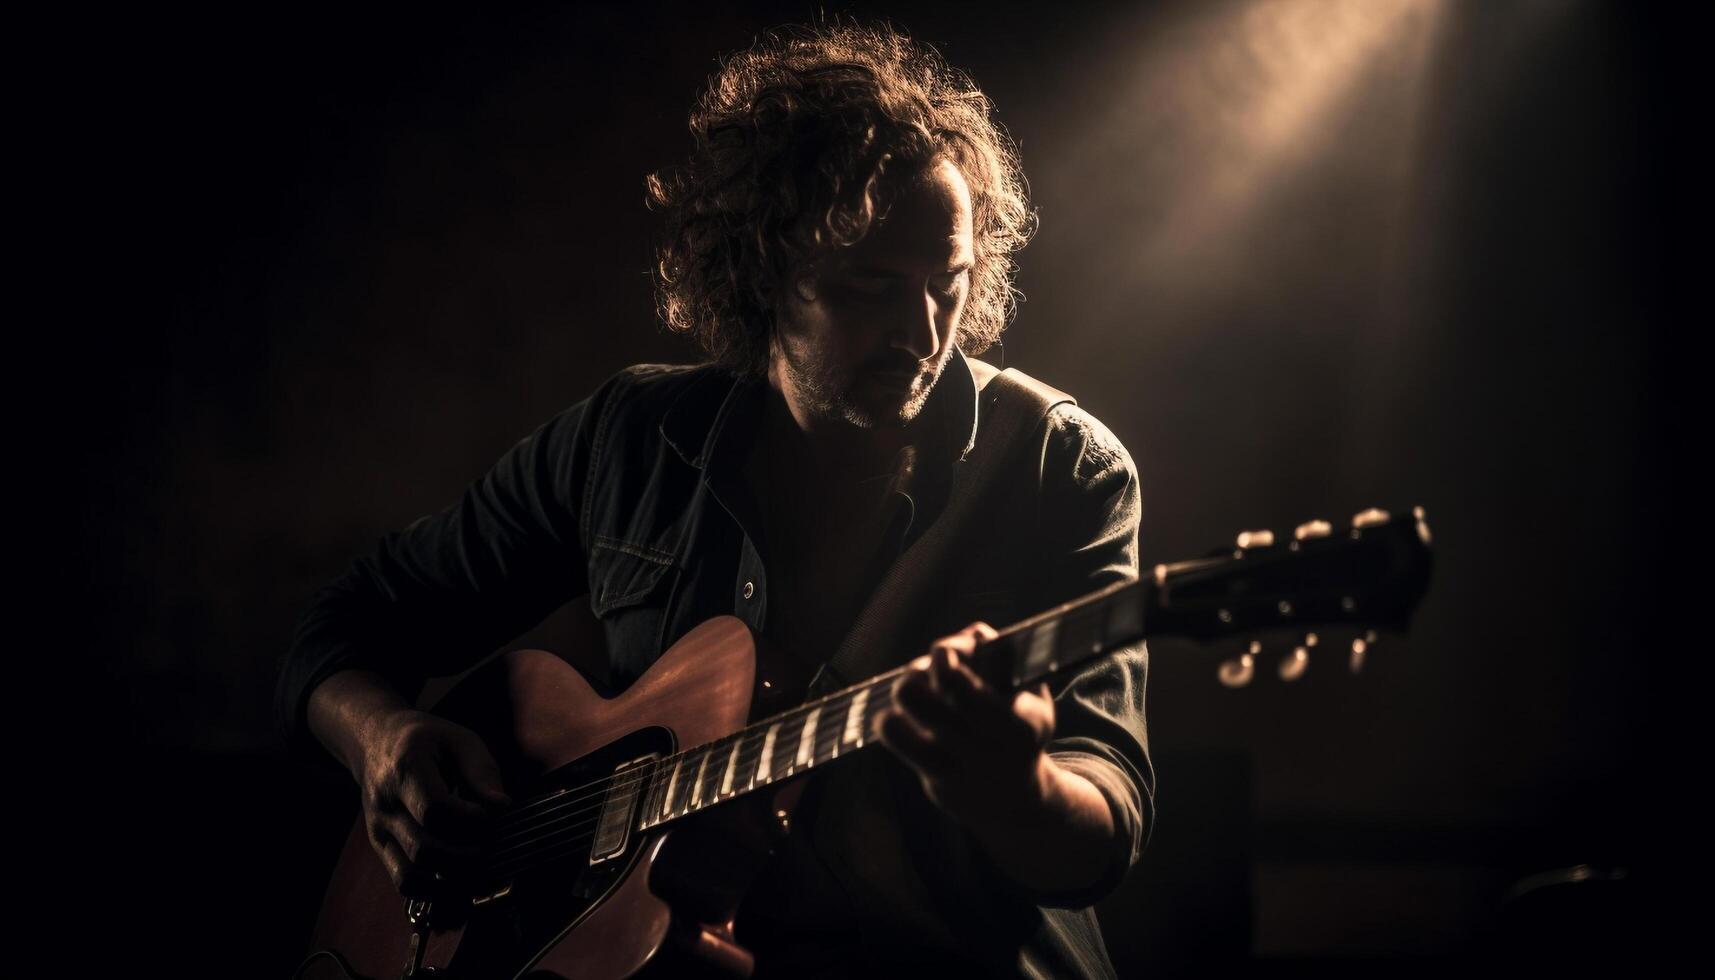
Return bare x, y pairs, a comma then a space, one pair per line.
792, 141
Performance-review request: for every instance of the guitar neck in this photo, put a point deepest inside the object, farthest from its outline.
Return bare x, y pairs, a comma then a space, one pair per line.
818, 732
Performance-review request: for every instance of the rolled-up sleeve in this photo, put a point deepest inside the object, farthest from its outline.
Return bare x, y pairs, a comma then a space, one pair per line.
1089, 523
450, 588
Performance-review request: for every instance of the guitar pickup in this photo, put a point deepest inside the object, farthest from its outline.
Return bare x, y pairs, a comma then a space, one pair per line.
619, 809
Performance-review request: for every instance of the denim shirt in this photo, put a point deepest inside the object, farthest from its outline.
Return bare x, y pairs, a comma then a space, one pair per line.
636, 497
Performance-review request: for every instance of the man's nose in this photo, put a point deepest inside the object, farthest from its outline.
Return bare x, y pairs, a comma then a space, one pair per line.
918, 332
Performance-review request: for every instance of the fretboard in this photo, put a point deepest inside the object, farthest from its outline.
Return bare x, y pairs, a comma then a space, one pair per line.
820, 731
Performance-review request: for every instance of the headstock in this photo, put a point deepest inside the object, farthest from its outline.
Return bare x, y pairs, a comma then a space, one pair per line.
1367, 575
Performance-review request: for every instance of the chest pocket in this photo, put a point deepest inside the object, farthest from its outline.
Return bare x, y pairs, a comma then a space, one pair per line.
630, 587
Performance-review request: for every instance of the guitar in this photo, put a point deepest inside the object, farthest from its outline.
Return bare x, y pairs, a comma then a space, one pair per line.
604, 868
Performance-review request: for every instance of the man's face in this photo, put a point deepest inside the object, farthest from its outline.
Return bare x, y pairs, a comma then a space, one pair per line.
865, 338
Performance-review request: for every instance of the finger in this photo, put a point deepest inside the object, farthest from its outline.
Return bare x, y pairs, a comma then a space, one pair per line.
914, 744
983, 631
964, 641
425, 851
955, 650
917, 680
943, 660
929, 709
1035, 710
419, 787
410, 881
976, 703
476, 771
430, 803
388, 852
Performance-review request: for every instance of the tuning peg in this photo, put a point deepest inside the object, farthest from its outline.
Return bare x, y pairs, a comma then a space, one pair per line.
1370, 518
1294, 666
1308, 531
1313, 529
1238, 671
1255, 539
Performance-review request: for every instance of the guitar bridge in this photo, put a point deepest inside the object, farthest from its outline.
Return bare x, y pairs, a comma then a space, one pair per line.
618, 809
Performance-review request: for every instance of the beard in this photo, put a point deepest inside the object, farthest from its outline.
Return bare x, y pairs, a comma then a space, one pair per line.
873, 395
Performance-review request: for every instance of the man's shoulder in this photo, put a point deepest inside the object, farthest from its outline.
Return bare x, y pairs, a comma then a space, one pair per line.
1085, 442
649, 383
645, 392
1076, 442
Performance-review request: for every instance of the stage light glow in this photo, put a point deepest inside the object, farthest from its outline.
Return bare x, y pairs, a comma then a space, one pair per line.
1200, 118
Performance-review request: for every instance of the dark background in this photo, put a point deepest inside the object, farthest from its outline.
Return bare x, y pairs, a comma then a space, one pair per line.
1303, 258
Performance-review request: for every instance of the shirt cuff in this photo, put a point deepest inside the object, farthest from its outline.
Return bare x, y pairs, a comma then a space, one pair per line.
1123, 802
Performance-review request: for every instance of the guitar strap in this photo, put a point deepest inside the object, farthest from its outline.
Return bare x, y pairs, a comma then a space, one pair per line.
1011, 406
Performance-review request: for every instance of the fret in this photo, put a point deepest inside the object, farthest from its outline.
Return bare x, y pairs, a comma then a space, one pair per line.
744, 775
731, 769
784, 750
672, 786
835, 708
1040, 649
710, 782
853, 735
687, 782
807, 741
652, 797
697, 783
1123, 615
1080, 633
765, 765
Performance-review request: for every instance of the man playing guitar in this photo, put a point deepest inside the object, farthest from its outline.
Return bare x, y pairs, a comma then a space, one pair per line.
839, 240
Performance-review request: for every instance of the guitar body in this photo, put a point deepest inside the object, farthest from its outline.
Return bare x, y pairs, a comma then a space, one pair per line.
662, 905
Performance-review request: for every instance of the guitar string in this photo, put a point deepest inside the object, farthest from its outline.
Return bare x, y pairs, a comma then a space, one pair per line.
566, 834
573, 837
749, 752
520, 855
601, 788
553, 820
516, 820
559, 810
719, 752
595, 792
558, 843
825, 742
822, 751
538, 838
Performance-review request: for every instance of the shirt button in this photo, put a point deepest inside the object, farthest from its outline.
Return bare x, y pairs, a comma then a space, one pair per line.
749, 589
